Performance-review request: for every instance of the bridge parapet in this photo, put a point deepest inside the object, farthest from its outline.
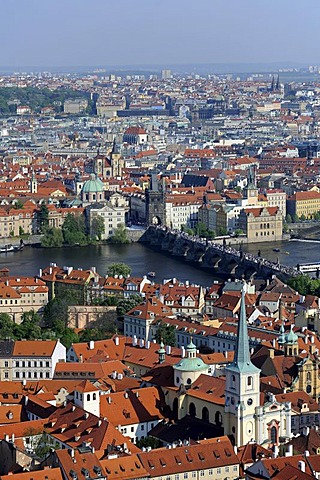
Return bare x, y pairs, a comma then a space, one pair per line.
223, 259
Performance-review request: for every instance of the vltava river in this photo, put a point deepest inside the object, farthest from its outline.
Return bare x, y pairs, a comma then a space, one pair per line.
143, 259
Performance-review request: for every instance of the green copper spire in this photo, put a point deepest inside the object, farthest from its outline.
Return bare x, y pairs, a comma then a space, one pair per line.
242, 354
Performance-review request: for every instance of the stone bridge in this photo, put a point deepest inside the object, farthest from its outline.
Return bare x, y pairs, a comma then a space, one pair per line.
222, 259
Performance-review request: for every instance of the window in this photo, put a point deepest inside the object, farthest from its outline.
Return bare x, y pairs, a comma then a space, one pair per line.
250, 382
218, 471
6, 374
6, 364
142, 427
88, 397
226, 469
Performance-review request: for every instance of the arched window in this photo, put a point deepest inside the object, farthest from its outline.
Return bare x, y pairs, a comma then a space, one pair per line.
205, 414
88, 397
250, 382
308, 376
94, 396
192, 410
273, 435
218, 419
233, 378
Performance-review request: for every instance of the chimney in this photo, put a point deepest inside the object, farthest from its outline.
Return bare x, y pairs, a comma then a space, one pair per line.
40, 272
271, 353
141, 343
168, 349
116, 340
134, 341
183, 352
148, 344
91, 345
276, 451
289, 452
302, 466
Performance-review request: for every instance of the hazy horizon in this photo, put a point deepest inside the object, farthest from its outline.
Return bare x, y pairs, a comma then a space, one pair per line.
102, 33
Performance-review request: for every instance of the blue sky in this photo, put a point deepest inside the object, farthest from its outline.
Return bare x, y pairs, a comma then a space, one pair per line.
131, 32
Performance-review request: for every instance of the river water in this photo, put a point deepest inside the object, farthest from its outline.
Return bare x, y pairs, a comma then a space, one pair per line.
143, 259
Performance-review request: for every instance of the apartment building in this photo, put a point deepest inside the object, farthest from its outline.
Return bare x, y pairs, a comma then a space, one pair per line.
30, 359
113, 217
19, 295
304, 203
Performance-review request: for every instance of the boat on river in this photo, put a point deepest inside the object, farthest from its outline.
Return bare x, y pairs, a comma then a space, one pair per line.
11, 248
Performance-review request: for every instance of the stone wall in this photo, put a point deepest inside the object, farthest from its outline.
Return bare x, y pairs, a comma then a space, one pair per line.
80, 316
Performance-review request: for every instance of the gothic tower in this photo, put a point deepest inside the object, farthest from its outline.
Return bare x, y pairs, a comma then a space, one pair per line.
242, 395
156, 202
116, 161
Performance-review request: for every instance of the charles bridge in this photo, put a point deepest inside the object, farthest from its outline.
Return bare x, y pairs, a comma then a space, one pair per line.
221, 258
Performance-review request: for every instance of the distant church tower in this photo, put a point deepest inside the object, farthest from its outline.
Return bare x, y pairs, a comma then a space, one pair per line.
116, 162
242, 395
156, 202
251, 190
33, 184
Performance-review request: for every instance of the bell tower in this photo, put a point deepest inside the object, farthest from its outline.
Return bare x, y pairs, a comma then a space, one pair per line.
242, 395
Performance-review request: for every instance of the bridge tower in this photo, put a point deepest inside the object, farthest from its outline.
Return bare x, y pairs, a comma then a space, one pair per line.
156, 202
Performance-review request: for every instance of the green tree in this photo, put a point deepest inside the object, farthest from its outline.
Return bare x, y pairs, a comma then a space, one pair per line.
6, 327
222, 231
211, 234
166, 334
29, 327
295, 218
120, 235
52, 238
288, 218
126, 304
187, 230
18, 205
98, 227
238, 232
303, 218
119, 269
73, 230
201, 229
317, 216
43, 218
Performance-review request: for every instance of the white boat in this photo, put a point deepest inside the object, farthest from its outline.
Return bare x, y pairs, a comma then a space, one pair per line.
7, 248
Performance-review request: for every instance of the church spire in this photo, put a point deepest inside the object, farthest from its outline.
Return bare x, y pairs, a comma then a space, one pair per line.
242, 354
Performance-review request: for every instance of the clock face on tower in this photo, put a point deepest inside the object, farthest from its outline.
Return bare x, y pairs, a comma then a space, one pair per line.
249, 401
